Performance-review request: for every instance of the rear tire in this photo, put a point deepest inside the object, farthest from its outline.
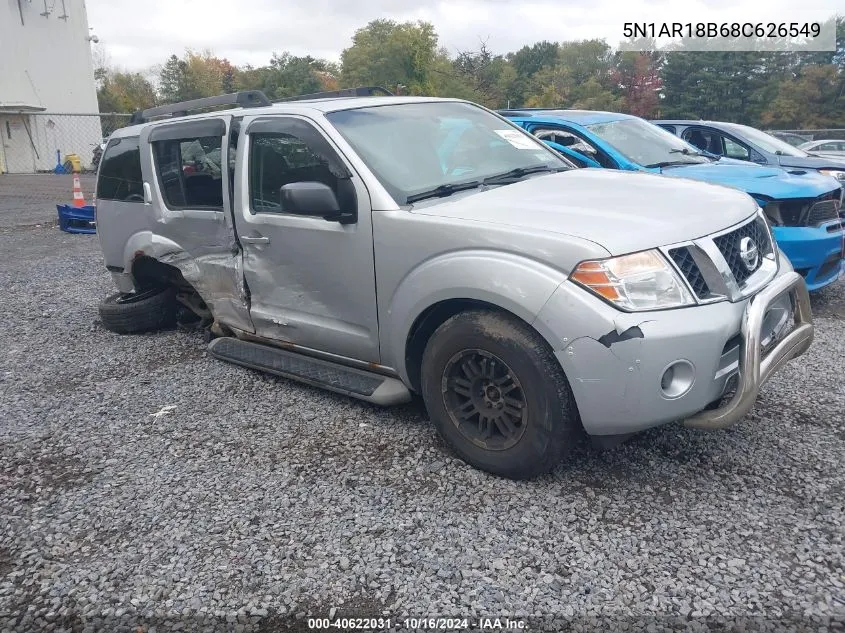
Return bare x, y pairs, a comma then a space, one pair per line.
142, 311
497, 395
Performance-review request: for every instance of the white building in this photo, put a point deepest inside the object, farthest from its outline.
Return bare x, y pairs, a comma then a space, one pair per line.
46, 74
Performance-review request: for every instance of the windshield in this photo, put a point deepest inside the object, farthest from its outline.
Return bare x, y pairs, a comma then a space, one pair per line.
766, 142
417, 147
646, 144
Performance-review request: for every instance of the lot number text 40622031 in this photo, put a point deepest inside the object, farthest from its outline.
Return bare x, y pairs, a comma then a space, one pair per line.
723, 29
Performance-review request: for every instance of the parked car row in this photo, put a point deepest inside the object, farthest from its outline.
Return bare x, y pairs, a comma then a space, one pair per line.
383, 246
800, 195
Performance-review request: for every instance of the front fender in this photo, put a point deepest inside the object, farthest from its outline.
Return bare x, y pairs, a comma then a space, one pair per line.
516, 284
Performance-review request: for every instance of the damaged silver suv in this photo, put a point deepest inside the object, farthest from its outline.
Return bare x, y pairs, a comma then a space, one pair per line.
380, 246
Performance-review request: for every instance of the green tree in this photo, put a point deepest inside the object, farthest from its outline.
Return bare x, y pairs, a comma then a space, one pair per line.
195, 75
172, 80
449, 80
725, 85
289, 76
813, 99
392, 54
526, 63
484, 77
582, 77
123, 91
207, 75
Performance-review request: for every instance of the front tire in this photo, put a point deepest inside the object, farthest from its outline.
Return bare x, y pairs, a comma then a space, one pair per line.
497, 395
142, 311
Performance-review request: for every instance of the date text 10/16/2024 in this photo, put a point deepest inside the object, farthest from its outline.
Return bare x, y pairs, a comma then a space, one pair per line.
417, 624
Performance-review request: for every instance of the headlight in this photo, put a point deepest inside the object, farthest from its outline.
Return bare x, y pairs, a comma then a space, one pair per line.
839, 174
635, 282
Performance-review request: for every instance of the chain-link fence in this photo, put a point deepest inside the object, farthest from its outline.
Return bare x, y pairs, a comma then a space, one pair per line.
40, 142
39, 152
810, 135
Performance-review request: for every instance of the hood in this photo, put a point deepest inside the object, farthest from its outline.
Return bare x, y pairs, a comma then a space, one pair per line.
771, 182
620, 210
812, 162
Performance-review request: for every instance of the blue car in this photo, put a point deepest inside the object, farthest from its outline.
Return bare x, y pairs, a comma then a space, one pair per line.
802, 206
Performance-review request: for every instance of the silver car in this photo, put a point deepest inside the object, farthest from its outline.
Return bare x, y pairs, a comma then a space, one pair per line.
382, 246
825, 147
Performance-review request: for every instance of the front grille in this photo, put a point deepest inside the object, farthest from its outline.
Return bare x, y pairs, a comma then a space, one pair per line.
808, 211
729, 245
823, 211
686, 264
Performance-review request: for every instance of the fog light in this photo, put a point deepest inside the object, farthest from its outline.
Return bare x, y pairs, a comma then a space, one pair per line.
677, 379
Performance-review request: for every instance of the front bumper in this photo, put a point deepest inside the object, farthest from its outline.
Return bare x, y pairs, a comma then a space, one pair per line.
616, 362
815, 252
754, 369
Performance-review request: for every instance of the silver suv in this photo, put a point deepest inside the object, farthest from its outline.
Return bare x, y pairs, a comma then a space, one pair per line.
380, 246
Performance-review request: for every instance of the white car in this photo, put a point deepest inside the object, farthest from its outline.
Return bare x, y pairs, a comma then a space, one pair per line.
824, 147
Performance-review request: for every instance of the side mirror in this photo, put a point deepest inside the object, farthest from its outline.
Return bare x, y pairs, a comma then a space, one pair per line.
580, 159
313, 199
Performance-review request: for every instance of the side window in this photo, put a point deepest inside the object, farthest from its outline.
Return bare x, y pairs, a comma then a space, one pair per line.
707, 140
120, 172
190, 171
575, 142
735, 150
668, 128
298, 154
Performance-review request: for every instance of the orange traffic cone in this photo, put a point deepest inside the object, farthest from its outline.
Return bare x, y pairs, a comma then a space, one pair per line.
78, 198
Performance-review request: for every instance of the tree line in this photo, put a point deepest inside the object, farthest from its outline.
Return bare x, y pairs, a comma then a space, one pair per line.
764, 89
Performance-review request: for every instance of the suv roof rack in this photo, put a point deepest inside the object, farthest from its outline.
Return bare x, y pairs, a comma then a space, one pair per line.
361, 91
248, 99
244, 99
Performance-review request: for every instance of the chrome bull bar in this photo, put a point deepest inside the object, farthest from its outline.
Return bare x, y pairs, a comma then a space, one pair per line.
755, 370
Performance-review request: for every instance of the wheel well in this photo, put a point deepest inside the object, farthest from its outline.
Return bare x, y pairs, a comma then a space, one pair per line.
425, 325
148, 271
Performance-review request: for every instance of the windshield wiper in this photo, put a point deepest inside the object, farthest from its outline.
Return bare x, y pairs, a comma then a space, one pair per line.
442, 191
669, 163
687, 152
519, 172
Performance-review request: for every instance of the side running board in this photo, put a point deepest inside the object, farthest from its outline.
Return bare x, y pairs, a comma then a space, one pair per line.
349, 381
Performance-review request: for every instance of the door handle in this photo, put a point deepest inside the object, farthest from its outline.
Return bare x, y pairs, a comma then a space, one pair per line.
255, 240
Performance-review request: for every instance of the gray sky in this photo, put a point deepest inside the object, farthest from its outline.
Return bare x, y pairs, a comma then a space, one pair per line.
138, 35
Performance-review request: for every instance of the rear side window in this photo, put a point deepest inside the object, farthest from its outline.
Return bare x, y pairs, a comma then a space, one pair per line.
190, 172
120, 172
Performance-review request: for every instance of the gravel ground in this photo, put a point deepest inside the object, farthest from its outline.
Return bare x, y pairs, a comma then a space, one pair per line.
145, 486
28, 199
